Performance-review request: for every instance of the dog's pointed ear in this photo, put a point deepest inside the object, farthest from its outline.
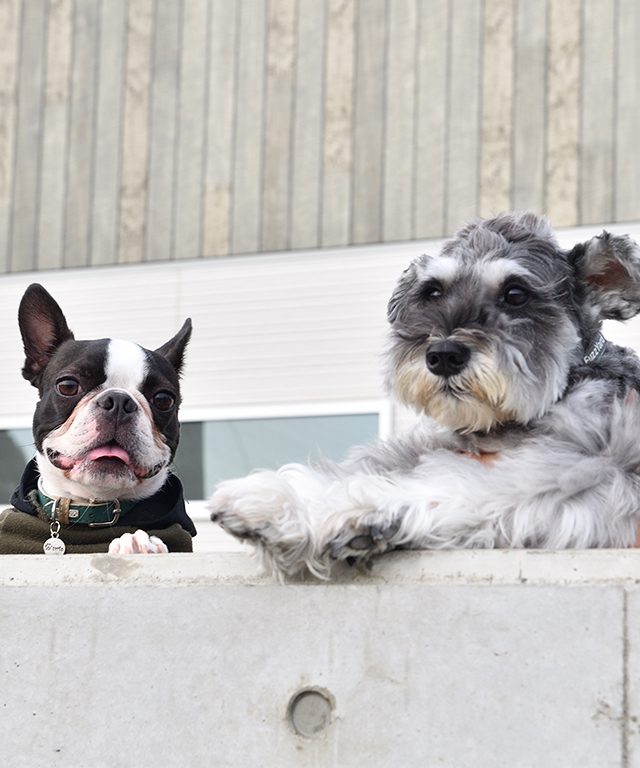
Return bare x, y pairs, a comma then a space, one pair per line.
609, 268
173, 350
43, 327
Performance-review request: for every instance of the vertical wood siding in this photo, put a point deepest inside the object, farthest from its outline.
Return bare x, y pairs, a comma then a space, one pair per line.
527, 168
219, 129
149, 130
22, 241
55, 125
399, 110
135, 133
368, 128
337, 167
82, 134
246, 193
109, 101
497, 107
308, 125
626, 189
10, 22
431, 122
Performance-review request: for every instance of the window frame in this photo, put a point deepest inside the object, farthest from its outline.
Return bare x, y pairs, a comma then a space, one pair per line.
379, 406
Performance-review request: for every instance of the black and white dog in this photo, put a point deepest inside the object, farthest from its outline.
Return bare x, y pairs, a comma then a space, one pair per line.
106, 431
496, 341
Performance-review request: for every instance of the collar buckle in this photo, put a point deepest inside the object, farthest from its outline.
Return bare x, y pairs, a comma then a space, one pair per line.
116, 517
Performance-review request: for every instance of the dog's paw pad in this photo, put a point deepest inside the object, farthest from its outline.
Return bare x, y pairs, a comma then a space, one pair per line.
386, 533
364, 541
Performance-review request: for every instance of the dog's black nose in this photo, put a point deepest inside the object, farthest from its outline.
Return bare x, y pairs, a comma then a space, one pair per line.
447, 358
117, 405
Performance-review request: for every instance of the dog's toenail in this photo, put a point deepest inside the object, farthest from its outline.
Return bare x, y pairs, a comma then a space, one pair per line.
391, 530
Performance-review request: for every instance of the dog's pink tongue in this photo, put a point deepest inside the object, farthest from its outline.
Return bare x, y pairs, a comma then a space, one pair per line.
109, 451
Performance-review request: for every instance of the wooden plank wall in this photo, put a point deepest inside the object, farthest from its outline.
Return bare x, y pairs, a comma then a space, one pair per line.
147, 130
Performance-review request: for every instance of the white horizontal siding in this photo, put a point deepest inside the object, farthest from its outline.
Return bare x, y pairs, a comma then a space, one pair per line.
296, 327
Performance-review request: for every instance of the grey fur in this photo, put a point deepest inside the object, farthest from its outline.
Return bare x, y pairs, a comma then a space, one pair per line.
488, 341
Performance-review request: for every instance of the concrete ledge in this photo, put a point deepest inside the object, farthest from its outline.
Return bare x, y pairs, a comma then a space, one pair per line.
475, 658
454, 568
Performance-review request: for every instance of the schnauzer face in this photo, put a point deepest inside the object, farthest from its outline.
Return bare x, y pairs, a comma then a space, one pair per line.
486, 332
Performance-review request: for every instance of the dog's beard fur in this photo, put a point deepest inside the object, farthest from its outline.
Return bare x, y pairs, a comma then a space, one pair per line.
497, 386
469, 402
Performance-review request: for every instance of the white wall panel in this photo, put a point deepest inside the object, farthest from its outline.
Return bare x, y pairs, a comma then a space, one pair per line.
302, 327
297, 327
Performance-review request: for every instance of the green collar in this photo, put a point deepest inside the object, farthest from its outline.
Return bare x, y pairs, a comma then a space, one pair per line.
95, 514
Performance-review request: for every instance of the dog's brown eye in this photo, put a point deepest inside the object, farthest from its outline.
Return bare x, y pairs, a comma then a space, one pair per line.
515, 296
67, 387
164, 401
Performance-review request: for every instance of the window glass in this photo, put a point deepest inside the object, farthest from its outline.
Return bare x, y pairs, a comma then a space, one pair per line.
218, 450
189, 464
16, 449
235, 447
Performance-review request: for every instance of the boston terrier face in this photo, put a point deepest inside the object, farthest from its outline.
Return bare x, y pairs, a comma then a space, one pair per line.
106, 425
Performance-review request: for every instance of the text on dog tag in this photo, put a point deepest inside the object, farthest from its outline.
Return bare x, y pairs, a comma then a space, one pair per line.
54, 546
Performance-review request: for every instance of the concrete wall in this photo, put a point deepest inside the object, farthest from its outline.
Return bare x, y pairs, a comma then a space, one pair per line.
478, 659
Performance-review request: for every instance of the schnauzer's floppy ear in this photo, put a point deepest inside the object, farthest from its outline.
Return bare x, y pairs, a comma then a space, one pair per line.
43, 328
173, 350
403, 286
609, 267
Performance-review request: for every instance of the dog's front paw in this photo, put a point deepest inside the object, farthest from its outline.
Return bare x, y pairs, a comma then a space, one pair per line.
137, 543
361, 538
265, 509
262, 507
249, 506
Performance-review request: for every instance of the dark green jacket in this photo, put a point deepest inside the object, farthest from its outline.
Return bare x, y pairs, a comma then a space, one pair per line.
25, 528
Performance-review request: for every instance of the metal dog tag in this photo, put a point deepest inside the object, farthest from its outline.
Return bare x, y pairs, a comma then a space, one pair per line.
54, 545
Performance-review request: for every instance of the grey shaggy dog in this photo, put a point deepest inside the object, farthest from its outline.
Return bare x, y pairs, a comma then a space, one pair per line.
496, 341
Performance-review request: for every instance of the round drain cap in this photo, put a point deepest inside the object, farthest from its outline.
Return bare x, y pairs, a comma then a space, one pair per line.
310, 713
